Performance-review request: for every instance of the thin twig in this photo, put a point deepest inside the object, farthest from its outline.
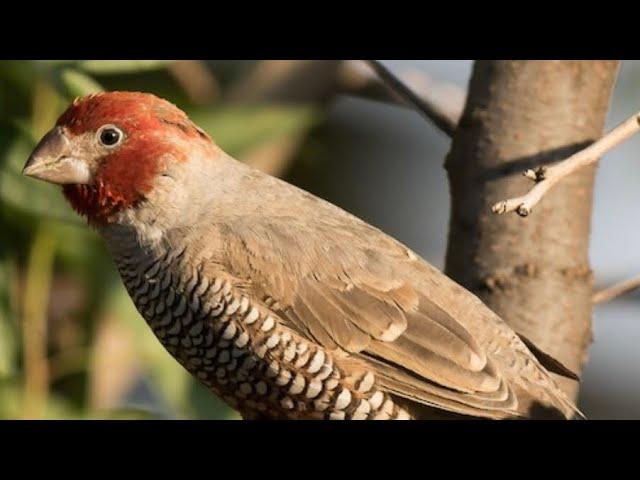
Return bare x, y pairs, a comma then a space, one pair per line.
357, 78
616, 290
432, 112
547, 177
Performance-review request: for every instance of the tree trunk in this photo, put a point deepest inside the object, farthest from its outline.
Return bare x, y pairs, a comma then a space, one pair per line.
534, 272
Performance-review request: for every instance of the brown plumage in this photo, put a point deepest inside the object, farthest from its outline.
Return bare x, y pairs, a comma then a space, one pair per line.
283, 304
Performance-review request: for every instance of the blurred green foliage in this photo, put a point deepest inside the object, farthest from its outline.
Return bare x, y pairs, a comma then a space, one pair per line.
87, 351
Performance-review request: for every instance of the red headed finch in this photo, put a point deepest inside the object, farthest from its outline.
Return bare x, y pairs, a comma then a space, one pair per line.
279, 302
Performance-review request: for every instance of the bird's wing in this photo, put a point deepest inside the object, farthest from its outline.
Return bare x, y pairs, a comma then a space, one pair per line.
351, 288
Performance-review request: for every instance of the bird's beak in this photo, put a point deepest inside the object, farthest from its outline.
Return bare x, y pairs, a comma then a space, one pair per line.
51, 161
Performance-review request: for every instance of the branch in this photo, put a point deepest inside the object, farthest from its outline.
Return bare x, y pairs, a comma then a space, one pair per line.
546, 178
616, 290
446, 119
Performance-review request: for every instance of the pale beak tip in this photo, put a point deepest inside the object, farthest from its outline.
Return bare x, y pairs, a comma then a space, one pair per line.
28, 169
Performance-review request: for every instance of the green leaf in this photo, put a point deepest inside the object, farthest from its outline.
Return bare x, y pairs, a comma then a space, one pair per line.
121, 66
8, 334
12, 402
55, 63
47, 105
19, 73
239, 129
10, 398
76, 83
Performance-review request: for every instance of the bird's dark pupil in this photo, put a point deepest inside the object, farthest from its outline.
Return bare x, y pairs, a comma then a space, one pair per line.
109, 137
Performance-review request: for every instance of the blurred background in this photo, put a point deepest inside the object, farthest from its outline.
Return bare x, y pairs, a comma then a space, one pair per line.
71, 343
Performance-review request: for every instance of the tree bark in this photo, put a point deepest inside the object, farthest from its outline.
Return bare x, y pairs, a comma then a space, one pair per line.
534, 272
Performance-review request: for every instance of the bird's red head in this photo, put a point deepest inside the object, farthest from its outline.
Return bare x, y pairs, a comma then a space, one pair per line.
106, 150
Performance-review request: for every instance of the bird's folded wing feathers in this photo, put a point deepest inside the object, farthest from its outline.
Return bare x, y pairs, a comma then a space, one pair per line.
419, 351
367, 296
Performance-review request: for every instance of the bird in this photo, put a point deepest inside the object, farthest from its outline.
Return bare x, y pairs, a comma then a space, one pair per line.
279, 302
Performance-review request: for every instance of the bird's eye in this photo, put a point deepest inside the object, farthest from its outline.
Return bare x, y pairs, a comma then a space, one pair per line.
110, 136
